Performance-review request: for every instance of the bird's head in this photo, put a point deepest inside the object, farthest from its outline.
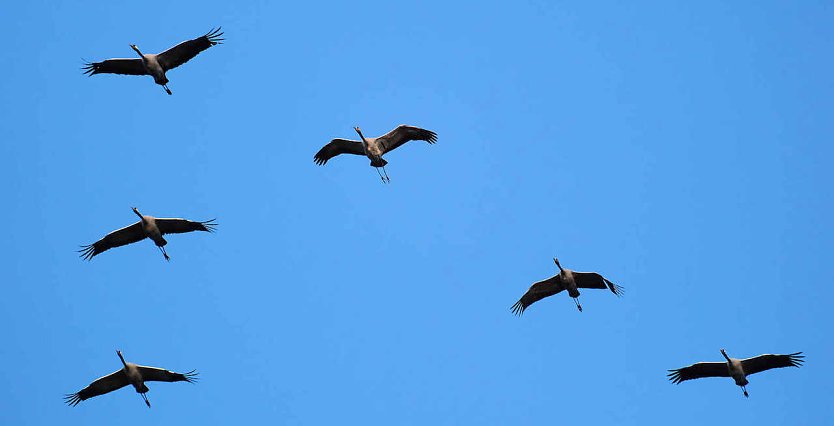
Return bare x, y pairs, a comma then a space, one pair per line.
135, 210
723, 352
556, 261
118, 352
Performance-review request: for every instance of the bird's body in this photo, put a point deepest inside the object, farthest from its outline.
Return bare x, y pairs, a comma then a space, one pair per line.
130, 374
134, 377
147, 227
156, 65
152, 231
374, 148
153, 68
568, 280
738, 369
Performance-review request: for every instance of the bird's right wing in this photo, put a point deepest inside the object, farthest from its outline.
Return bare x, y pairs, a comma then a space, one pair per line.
153, 374
115, 66
127, 235
699, 370
768, 361
404, 133
336, 147
595, 280
100, 386
179, 226
538, 291
188, 49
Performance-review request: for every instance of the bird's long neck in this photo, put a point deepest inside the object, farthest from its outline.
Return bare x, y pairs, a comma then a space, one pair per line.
364, 141
133, 46
119, 353
142, 218
559, 265
725, 355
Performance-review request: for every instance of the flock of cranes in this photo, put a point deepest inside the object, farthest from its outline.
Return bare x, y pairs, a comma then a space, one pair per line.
373, 148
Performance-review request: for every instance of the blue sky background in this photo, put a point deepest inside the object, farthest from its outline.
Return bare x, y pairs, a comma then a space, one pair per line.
681, 150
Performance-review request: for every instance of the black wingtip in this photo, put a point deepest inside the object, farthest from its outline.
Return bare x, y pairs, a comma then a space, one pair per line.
72, 399
87, 252
797, 359
517, 309
674, 376
209, 225
89, 69
432, 137
214, 35
191, 376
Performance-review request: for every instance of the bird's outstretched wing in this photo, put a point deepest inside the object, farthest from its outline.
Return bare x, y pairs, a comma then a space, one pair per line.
403, 134
699, 370
538, 291
336, 147
179, 226
768, 361
115, 66
100, 386
127, 235
595, 280
153, 374
186, 50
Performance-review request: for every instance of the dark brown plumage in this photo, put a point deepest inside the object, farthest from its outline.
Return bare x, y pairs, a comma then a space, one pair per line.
738, 369
121, 378
374, 148
566, 279
147, 227
156, 65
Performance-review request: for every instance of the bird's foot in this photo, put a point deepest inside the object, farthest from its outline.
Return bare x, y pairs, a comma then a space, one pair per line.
580, 307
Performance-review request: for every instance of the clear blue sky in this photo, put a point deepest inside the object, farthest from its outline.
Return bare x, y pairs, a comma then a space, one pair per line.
681, 150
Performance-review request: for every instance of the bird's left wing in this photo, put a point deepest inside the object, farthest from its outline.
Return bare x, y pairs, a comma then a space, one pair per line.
186, 50
127, 235
179, 226
768, 361
699, 370
595, 280
153, 374
100, 386
403, 134
115, 66
538, 291
336, 147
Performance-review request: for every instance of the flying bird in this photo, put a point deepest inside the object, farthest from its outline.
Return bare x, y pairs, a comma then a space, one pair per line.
374, 148
738, 369
147, 227
568, 280
156, 65
130, 374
